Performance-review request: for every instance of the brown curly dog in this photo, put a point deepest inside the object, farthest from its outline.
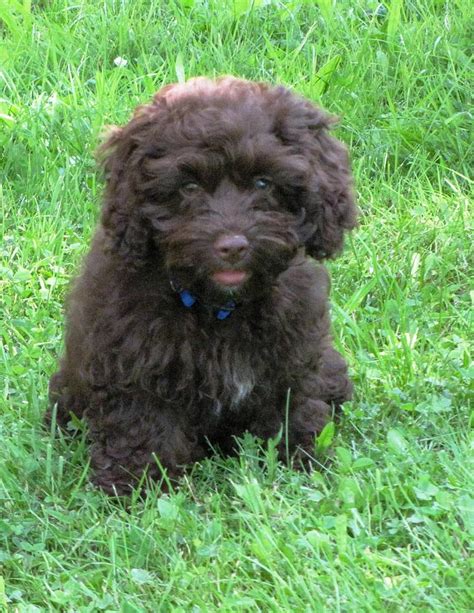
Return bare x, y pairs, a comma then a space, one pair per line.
198, 306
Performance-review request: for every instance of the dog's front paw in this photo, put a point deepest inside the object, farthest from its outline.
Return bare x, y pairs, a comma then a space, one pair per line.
305, 422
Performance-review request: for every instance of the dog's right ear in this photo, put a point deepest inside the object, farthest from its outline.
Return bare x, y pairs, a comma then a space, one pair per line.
329, 199
126, 232
328, 204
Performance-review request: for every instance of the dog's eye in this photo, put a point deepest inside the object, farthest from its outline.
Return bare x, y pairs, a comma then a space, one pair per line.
190, 186
262, 183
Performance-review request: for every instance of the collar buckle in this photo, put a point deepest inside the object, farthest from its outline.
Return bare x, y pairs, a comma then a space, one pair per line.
189, 300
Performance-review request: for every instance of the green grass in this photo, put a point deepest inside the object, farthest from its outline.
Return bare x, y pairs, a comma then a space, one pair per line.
388, 525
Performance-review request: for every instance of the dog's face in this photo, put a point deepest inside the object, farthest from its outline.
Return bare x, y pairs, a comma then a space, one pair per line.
226, 180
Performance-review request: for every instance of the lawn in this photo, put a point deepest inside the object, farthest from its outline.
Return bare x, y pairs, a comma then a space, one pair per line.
388, 524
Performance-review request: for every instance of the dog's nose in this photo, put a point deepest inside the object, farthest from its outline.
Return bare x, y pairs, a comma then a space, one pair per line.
231, 247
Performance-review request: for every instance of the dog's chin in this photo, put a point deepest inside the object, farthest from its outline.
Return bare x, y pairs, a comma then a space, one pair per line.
213, 286
226, 285
216, 286
230, 280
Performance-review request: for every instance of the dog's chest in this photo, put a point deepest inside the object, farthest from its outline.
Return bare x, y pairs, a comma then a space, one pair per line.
238, 396
228, 376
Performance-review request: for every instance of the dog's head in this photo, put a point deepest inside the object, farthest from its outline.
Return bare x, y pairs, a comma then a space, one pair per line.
224, 181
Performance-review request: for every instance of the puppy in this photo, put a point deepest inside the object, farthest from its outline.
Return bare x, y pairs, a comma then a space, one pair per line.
199, 310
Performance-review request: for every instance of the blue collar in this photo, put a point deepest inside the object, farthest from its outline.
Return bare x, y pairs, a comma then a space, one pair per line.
189, 300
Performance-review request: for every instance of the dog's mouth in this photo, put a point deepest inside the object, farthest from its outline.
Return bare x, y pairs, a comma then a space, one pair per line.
230, 278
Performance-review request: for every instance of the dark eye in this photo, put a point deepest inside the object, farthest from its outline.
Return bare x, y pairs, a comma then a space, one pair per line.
190, 186
262, 183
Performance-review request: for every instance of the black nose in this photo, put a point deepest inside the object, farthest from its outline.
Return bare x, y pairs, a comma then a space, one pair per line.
231, 247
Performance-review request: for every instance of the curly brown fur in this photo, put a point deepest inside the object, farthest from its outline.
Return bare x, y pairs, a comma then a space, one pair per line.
223, 188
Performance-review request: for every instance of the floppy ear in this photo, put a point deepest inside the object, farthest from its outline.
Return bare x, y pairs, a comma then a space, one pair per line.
329, 199
126, 233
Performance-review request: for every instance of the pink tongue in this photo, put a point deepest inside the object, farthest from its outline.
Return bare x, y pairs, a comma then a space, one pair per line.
229, 277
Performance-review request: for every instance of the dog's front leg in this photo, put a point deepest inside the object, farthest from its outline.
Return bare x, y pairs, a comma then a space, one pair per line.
305, 419
312, 401
128, 443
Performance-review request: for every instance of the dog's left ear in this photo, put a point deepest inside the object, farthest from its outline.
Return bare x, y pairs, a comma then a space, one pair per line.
328, 202
126, 233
